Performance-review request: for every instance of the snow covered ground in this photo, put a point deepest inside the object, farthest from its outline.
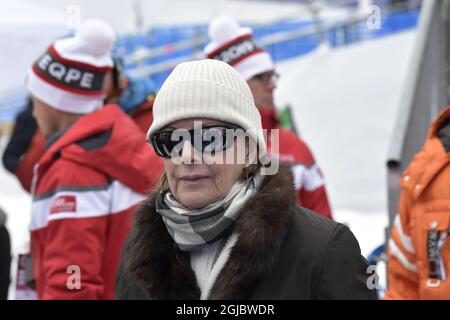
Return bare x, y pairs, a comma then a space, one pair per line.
345, 102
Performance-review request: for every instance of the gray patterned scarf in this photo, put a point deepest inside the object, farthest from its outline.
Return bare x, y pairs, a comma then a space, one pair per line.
195, 229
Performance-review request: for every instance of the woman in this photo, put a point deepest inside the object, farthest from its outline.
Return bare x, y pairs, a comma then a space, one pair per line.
221, 229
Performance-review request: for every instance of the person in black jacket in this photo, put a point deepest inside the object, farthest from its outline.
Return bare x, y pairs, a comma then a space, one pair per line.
24, 129
5, 257
229, 230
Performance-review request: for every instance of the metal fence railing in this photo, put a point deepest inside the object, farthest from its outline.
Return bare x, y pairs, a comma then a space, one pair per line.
424, 95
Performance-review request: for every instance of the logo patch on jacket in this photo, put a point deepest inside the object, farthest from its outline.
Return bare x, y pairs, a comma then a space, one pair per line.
64, 204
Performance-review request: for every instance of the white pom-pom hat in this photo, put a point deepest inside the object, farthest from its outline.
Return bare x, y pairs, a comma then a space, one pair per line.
234, 45
69, 76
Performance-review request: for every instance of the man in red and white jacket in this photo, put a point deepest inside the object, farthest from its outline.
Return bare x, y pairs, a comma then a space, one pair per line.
95, 170
234, 45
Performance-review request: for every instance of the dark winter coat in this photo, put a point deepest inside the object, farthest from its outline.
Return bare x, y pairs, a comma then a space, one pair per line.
283, 252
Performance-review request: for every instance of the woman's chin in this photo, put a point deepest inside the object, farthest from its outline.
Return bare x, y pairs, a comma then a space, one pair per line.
195, 201
194, 204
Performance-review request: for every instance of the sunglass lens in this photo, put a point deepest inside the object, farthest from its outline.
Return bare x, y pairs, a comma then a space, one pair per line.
163, 144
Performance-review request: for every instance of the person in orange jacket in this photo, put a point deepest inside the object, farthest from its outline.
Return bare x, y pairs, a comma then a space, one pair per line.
419, 248
26, 146
234, 45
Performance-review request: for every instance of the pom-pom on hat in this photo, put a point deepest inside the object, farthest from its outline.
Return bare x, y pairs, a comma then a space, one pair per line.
69, 76
234, 45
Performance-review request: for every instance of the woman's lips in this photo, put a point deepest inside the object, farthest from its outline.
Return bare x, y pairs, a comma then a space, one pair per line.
194, 179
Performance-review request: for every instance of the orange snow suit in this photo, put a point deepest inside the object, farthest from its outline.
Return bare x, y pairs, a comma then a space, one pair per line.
419, 248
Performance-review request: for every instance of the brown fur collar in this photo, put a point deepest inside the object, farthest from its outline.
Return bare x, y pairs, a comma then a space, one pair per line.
152, 260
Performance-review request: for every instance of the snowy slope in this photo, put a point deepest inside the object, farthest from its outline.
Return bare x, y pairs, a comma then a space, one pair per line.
345, 103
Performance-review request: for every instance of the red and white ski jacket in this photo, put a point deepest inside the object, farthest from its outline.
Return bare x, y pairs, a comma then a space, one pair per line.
308, 179
85, 190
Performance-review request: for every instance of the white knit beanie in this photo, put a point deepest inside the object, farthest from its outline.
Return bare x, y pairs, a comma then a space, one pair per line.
208, 89
69, 76
235, 45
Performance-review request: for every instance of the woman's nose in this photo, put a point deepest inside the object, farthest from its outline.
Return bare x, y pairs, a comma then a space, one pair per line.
189, 155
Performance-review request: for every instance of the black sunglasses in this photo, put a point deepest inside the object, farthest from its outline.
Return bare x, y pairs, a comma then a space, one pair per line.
208, 139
